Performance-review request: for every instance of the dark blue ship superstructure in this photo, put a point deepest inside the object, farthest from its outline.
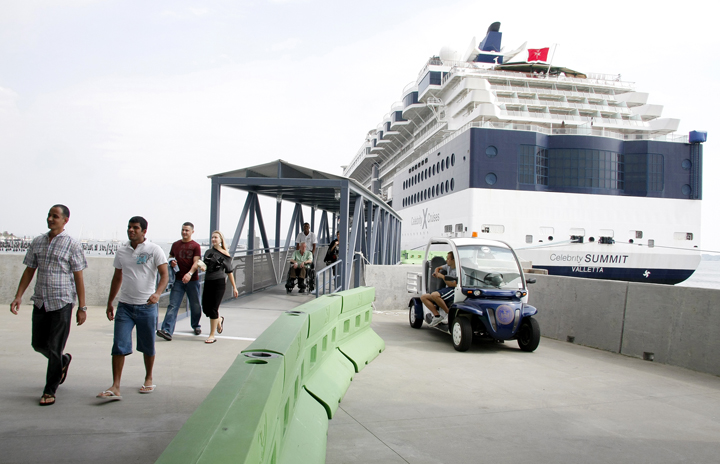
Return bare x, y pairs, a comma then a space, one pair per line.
519, 160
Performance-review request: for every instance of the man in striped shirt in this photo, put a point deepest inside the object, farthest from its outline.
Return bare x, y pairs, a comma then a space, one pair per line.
59, 262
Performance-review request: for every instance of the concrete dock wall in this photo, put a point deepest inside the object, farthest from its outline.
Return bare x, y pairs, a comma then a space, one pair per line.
672, 325
679, 326
97, 279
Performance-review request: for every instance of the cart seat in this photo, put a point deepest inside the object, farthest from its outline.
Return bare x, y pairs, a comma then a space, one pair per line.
434, 284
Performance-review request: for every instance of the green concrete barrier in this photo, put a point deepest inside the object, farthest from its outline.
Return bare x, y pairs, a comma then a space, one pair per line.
273, 404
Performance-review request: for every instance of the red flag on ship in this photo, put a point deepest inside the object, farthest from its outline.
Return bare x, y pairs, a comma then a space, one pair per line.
538, 54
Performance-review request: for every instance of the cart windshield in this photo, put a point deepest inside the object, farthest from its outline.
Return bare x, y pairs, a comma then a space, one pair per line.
486, 266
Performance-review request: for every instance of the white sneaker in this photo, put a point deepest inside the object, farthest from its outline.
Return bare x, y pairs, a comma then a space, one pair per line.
436, 320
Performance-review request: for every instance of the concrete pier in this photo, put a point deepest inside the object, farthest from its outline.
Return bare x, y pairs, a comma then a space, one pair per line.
80, 428
420, 401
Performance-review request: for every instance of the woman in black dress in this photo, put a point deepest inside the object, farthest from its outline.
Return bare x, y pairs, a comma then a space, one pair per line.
219, 263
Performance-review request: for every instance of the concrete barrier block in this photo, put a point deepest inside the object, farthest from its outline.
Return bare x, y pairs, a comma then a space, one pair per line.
330, 380
322, 312
389, 284
237, 422
363, 348
588, 311
673, 325
306, 436
286, 336
356, 298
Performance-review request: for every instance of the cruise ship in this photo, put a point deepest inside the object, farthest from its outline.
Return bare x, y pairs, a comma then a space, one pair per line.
579, 172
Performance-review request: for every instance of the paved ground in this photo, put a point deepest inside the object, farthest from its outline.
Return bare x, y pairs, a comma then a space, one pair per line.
82, 429
418, 402
423, 402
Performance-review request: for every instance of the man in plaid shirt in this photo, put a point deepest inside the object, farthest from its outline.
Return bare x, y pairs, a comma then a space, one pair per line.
60, 261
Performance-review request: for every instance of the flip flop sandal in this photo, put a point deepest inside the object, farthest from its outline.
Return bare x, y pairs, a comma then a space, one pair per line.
210, 341
47, 397
65, 369
147, 389
220, 327
109, 395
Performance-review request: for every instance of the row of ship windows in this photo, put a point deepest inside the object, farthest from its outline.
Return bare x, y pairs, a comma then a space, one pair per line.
428, 171
430, 192
607, 238
594, 169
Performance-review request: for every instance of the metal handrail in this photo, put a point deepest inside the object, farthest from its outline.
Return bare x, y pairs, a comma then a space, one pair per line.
328, 283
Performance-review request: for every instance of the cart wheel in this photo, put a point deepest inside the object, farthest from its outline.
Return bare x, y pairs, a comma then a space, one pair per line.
529, 334
462, 333
415, 322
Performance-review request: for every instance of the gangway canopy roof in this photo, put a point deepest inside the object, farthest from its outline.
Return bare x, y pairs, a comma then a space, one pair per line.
296, 184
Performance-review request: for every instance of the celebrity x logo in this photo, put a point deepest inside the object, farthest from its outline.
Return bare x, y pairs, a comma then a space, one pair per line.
424, 225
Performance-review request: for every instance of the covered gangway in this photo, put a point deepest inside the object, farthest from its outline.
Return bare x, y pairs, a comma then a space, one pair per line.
369, 228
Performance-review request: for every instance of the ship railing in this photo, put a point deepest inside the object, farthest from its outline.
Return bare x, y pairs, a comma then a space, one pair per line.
409, 87
571, 117
357, 160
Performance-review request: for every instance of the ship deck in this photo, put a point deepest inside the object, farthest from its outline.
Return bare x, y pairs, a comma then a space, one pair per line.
418, 402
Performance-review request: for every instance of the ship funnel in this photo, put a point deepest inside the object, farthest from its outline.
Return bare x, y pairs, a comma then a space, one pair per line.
491, 43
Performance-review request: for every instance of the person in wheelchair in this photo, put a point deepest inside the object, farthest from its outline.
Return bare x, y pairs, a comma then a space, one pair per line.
299, 268
440, 299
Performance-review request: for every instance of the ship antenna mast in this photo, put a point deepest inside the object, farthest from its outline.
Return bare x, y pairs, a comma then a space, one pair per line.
552, 58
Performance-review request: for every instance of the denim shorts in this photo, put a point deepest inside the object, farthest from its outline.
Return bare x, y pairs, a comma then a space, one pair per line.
128, 316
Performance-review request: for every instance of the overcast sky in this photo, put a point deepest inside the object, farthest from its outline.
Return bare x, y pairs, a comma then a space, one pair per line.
118, 108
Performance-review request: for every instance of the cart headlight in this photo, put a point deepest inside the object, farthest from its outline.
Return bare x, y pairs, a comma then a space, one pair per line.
520, 293
477, 293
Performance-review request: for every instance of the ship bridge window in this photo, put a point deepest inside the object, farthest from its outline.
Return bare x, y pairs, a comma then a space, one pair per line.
442, 165
397, 116
532, 165
452, 184
644, 172
586, 168
410, 99
433, 191
452, 159
433, 170
447, 161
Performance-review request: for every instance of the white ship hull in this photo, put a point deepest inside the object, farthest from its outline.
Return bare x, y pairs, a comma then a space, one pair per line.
538, 225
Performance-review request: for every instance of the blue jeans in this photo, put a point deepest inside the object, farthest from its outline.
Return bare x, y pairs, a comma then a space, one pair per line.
127, 316
192, 289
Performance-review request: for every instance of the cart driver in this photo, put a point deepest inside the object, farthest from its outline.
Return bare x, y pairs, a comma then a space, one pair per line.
445, 296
